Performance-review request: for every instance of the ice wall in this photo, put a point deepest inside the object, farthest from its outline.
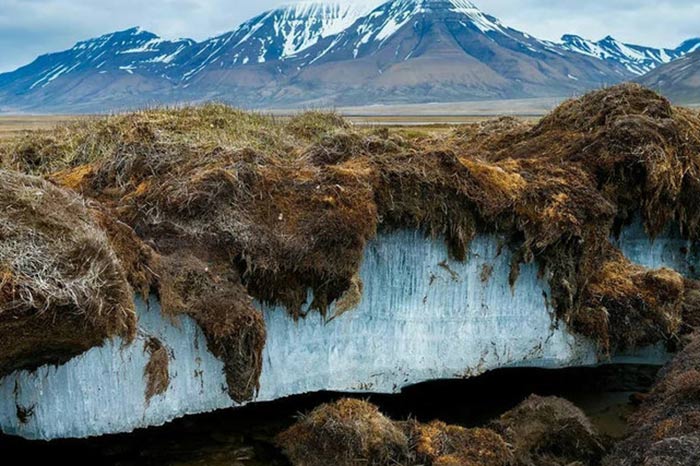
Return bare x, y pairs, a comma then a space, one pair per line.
422, 317
668, 250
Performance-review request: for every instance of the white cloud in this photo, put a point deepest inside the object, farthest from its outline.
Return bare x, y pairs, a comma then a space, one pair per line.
31, 27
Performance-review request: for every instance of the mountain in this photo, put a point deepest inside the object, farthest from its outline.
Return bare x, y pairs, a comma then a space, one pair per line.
637, 59
273, 36
125, 63
403, 51
679, 80
438, 50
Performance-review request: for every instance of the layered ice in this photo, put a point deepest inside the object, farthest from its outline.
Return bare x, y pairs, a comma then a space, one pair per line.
668, 250
422, 317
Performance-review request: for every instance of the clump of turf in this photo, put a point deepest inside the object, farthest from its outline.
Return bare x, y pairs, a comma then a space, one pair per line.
665, 429
350, 432
550, 432
539, 432
345, 433
157, 370
314, 124
210, 291
62, 287
440, 444
574, 179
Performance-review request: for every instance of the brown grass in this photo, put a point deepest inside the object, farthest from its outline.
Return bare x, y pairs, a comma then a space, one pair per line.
156, 372
351, 432
440, 444
538, 432
345, 433
210, 291
550, 432
62, 288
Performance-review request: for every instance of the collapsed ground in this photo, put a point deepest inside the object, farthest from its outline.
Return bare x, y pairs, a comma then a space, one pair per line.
211, 208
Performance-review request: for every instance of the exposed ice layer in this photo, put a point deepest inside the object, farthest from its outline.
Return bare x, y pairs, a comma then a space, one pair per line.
422, 317
669, 250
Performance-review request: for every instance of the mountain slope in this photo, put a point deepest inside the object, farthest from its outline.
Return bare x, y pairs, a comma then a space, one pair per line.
636, 59
679, 80
114, 66
423, 50
131, 51
273, 35
403, 51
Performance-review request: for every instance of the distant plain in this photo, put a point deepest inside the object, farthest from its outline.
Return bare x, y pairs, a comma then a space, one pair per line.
14, 125
425, 115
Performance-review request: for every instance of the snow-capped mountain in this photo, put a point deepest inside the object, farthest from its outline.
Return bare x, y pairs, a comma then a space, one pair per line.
372, 32
679, 80
637, 59
689, 46
126, 52
445, 49
274, 35
352, 53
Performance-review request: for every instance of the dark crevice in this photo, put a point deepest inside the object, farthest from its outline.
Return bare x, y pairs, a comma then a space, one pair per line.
606, 394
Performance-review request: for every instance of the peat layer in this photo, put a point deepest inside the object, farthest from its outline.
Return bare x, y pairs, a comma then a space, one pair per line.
213, 207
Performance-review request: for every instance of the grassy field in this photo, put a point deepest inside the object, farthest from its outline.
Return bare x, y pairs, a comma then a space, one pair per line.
437, 116
427, 121
484, 108
13, 125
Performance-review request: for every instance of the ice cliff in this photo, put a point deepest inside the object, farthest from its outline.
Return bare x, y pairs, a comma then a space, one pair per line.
422, 317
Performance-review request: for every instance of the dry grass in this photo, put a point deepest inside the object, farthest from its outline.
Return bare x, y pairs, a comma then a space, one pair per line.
157, 370
345, 433
440, 444
538, 432
208, 289
351, 432
62, 288
550, 432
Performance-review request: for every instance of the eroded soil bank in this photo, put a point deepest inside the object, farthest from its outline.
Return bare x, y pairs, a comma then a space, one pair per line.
214, 210
245, 436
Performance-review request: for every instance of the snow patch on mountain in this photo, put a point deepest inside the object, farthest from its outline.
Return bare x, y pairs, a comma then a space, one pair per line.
484, 22
306, 23
277, 34
635, 58
132, 50
380, 24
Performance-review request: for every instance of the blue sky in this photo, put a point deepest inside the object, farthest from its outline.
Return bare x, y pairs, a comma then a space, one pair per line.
31, 27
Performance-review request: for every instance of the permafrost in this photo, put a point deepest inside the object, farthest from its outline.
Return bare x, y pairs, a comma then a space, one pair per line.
422, 317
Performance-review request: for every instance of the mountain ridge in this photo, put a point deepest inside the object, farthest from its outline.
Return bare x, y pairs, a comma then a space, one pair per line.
679, 80
402, 51
638, 59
